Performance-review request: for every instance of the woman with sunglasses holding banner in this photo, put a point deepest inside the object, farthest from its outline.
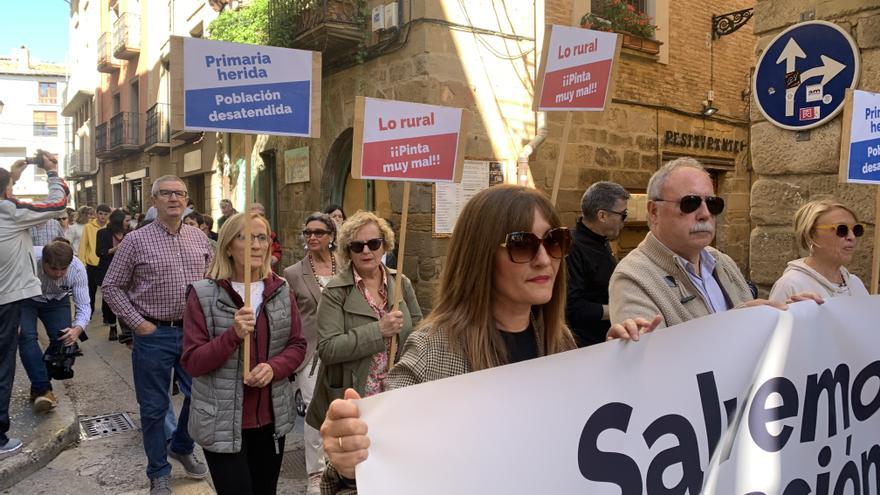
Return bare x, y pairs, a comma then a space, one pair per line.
356, 321
501, 300
828, 231
308, 278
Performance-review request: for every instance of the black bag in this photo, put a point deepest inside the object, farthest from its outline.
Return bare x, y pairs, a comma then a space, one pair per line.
59, 361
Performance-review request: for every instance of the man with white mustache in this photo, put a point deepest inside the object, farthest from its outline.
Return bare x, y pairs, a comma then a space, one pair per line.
674, 272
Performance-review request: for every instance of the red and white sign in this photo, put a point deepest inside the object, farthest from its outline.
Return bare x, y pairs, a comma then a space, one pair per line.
576, 67
396, 140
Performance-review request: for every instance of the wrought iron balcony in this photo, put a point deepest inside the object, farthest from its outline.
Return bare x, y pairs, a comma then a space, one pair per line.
158, 138
124, 133
106, 61
127, 36
101, 144
329, 26
79, 163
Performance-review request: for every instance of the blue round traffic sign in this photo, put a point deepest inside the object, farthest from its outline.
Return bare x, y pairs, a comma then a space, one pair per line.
803, 75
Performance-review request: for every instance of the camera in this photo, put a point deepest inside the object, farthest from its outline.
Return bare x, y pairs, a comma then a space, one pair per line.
37, 159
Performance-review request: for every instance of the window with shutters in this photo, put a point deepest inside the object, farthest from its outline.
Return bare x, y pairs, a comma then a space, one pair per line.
45, 123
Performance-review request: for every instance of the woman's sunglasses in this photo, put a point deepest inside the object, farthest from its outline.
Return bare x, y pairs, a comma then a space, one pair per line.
842, 229
317, 233
373, 244
692, 202
522, 247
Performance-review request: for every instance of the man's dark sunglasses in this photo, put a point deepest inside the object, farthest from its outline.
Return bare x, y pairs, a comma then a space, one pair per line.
373, 244
692, 202
522, 247
623, 214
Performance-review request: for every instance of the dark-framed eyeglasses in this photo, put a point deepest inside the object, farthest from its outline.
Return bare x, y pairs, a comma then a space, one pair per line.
62, 219
317, 233
623, 214
167, 193
373, 244
522, 247
842, 229
691, 203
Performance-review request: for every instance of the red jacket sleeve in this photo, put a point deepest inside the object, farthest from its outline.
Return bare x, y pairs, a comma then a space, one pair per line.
284, 364
201, 354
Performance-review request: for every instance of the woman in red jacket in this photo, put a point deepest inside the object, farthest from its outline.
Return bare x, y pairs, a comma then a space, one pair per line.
241, 422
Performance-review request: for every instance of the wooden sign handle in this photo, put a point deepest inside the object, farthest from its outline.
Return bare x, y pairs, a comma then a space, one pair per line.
392, 353
248, 149
875, 265
561, 158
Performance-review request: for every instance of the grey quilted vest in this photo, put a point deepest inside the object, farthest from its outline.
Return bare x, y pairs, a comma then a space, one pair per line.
216, 410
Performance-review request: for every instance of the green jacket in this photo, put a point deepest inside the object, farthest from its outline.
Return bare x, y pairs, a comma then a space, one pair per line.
349, 336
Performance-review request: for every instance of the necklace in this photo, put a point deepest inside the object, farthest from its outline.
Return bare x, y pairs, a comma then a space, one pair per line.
315, 273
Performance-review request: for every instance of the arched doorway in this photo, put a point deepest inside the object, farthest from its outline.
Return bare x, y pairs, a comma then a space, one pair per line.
338, 187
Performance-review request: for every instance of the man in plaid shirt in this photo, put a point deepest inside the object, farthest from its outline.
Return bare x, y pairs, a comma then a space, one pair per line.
146, 287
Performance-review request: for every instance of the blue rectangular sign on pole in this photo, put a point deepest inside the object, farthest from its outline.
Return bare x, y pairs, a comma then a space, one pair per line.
860, 147
234, 87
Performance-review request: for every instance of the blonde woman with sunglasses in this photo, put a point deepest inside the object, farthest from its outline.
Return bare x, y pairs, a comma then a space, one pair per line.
356, 319
828, 232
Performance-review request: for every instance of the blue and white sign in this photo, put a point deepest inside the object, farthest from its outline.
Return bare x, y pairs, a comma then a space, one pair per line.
863, 164
235, 87
803, 75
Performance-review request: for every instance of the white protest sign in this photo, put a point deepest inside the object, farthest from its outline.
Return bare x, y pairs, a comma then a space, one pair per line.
860, 138
787, 402
397, 140
234, 87
576, 69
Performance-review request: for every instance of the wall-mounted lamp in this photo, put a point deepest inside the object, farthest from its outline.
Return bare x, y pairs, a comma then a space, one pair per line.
708, 110
1, 106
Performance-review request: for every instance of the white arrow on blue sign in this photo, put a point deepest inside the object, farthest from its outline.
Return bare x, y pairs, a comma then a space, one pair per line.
803, 75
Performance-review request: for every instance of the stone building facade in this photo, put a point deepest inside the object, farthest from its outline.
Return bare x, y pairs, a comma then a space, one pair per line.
793, 168
483, 56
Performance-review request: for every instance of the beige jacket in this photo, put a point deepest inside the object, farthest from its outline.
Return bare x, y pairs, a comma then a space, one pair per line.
650, 281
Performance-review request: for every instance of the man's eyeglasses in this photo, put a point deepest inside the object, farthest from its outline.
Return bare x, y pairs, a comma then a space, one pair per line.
842, 229
623, 214
259, 238
62, 219
373, 244
317, 233
522, 247
692, 202
166, 193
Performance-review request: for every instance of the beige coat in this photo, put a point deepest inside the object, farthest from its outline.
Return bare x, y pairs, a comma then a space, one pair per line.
308, 294
649, 281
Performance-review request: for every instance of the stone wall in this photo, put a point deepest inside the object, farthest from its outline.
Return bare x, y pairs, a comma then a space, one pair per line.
627, 142
791, 172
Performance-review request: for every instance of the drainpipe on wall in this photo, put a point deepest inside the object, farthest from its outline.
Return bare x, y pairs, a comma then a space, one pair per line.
523, 174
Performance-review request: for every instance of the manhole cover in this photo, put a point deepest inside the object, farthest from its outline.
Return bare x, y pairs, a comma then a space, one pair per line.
104, 426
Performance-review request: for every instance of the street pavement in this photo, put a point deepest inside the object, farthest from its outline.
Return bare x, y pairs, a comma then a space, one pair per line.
115, 464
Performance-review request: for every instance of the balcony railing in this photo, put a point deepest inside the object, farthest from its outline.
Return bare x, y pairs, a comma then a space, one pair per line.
324, 25
158, 138
79, 162
101, 145
47, 100
127, 35
124, 131
106, 61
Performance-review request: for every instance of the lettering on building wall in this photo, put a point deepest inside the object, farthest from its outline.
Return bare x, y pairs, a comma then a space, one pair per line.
704, 142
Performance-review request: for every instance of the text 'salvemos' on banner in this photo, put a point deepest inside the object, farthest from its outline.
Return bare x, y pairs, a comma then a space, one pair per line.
751, 401
233, 87
576, 68
401, 141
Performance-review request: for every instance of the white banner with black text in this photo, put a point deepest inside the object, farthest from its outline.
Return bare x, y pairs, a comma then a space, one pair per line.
748, 402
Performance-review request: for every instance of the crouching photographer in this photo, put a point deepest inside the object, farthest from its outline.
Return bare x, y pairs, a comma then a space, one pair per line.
61, 275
